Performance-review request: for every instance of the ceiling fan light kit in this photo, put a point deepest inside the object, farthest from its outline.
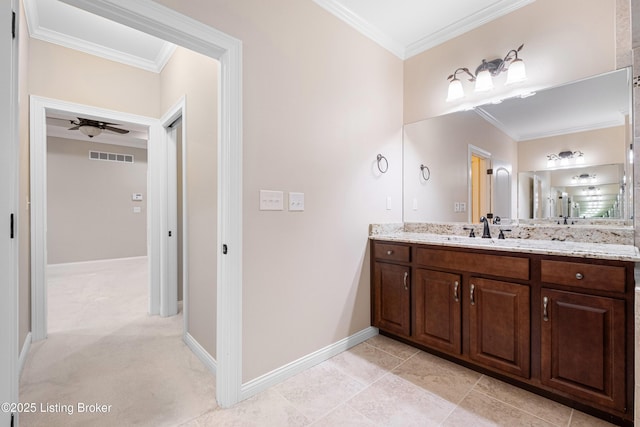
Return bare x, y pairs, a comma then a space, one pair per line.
93, 128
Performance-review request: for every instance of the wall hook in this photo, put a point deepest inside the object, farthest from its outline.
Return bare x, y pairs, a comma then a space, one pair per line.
386, 163
428, 174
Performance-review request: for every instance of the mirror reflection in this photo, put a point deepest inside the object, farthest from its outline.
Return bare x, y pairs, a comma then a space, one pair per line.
559, 153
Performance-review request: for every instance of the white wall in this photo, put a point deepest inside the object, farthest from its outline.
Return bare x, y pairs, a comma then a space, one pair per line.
89, 202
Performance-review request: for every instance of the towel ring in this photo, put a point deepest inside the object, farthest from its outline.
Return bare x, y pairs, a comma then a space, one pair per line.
386, 163
422, 169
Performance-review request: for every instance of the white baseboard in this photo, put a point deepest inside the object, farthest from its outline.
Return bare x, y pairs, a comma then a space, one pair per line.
200, 352
276, 376
90, 261
24, 353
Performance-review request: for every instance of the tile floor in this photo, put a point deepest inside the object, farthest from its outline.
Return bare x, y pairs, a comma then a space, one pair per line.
103, 347
382, 382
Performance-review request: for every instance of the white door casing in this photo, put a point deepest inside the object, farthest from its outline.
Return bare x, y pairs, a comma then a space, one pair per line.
167, 24
169, 299
38, 156
9, 161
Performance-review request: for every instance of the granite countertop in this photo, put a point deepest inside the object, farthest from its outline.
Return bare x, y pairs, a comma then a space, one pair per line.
544, 247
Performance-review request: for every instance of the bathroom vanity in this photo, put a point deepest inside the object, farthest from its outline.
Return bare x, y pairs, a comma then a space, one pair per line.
555, 318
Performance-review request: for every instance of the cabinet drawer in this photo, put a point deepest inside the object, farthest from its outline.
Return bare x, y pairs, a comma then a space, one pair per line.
580, 275
391, 252
495, 265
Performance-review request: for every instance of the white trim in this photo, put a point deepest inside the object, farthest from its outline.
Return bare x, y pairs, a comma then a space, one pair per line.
471, 150
69, 264
370, 31
402, 51
38, 154
202, 354
537, 135
24, 353
169, 293
71, 42
9, 205
478, 19
276, 376
167, 24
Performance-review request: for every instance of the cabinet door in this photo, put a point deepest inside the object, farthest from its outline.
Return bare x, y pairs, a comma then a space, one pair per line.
391, 298
436, 310
499, 325
583, 349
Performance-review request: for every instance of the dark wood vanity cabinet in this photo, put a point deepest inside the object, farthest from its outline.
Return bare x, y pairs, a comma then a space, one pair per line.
583, 342
391, 294
499, 325
437, 310
558, 325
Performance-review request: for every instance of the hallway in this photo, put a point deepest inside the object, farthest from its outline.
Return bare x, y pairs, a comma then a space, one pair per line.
103, 348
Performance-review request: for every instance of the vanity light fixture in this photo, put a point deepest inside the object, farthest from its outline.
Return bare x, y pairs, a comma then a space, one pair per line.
486, 71
584, 178
565, 158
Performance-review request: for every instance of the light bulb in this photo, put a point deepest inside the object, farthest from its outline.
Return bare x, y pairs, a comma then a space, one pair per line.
484, 82
516, 72
455, 90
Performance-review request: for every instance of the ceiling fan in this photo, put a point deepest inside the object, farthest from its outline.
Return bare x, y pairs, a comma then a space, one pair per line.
93, 128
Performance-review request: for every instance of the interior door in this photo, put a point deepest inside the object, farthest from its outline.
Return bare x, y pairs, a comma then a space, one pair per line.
501, 189
8, 208
170, 306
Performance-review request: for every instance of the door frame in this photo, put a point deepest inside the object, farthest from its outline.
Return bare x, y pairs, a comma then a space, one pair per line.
9, 205
169, 295
167, 24
486, 156
38, 158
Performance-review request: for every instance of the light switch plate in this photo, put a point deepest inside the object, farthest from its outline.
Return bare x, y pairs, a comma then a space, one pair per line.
296, 202
137, 209
271, 200
136, 197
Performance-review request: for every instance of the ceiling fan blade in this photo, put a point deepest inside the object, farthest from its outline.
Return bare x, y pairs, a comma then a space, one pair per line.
74, 128
116, 130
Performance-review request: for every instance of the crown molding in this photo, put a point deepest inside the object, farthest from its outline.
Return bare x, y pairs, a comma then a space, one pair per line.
464, 25
496, 10
555, 132
364, 27
65, 40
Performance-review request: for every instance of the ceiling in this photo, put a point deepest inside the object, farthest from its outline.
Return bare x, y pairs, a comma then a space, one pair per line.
65, 25
593, 103
409, 27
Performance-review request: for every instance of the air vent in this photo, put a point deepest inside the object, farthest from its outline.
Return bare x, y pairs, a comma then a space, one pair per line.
636, 81
111, 157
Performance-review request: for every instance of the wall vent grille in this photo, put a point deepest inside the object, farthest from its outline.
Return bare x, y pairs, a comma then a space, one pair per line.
111, 157
636, 81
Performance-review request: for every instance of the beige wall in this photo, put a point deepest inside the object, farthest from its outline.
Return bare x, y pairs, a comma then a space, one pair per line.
320, 101
563, 41
24, 267
600, 147
196, 77
69, 75
89, 202
442, 144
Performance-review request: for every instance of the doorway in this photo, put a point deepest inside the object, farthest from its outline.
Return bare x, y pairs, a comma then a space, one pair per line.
479, 184
181, 30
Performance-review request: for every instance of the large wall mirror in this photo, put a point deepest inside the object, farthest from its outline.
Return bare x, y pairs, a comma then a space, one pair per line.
541, 157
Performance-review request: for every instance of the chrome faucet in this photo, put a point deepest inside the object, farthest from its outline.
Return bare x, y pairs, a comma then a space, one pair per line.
486, 233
